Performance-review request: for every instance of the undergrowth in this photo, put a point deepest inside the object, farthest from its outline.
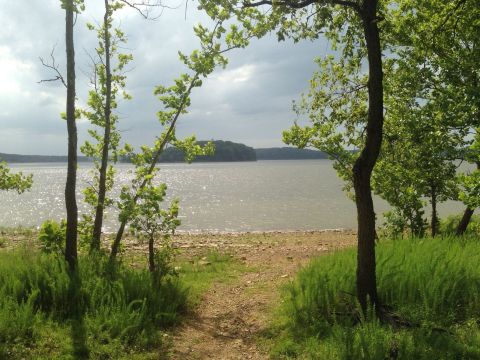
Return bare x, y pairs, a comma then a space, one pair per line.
46, 312
433, 284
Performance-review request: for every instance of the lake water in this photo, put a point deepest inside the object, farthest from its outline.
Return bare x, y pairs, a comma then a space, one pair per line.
249, 196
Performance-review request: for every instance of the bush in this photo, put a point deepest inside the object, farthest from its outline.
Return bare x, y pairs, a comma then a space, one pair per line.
432, 283
52, 236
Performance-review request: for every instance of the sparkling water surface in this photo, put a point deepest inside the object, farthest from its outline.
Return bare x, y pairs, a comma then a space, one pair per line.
247, 196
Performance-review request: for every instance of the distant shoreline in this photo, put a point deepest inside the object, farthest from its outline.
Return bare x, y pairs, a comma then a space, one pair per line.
161, 163
259, 232
225, 151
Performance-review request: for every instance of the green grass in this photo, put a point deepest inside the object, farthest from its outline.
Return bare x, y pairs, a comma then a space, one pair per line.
199, 273
47, 314
432, 283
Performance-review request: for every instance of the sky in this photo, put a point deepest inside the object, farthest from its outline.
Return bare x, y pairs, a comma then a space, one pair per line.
250, 101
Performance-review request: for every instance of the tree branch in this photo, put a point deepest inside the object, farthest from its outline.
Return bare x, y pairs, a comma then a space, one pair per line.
144, 7
459, 4
301, 4
52, 66
93, 77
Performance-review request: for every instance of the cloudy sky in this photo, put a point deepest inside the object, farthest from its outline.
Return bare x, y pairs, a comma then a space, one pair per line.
249, 102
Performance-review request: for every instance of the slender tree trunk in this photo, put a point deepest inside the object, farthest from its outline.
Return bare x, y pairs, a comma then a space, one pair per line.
97, 226
363, 167
434, 220
467, 216
166, 139
70, 196
116, 242
151, 255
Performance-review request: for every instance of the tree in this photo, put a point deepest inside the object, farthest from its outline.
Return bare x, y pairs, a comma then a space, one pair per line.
71, 7
469, 183
107, 83
417, 162
420, 147
175, 100
97, 227
470, 196
441, 40
337, 98
353, 26
413, 160
14, 182
150, 220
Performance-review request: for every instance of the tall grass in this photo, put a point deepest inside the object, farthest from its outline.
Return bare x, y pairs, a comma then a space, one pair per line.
95, 307
432, 283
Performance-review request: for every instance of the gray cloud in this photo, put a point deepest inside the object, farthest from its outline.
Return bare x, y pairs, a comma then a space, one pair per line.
249, 101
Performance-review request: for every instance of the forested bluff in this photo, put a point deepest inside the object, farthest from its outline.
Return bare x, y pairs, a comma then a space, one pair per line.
225, 151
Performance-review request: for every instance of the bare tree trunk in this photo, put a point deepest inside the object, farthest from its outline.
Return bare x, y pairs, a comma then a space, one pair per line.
434, 220
462, 226
70, 196
97, 227
363, 167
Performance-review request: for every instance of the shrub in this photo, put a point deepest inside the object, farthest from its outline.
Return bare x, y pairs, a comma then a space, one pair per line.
52, 236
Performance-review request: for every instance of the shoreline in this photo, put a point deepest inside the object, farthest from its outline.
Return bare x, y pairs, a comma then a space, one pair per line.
210, 232
260, 232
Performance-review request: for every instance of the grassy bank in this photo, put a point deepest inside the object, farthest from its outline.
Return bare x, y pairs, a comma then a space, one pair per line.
47, 313
431, 285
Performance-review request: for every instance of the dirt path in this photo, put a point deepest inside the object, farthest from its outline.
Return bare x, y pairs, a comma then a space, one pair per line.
230, 317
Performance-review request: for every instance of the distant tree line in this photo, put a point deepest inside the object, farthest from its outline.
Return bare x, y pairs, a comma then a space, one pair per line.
224, 151
17, 158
